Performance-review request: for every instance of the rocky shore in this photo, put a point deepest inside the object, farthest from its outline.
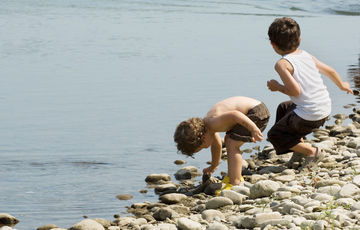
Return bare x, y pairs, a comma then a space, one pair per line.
278, 192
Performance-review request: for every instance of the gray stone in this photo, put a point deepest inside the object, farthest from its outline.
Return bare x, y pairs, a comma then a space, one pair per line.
356, 206
322, 197
163, 213
263, 188
319, 225
345, 202
172, 198
260, 218
165, 226
272, 169
356, 180
236, 198
348, 190
281, 195
330, 190
218, 202
210, 214
104, 222
274, 222
7, 220
242, 190
187, 224
285, 178
87, 224
328, 182
217, 226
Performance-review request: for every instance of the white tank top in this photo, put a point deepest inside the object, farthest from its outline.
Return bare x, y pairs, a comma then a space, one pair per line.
314, 102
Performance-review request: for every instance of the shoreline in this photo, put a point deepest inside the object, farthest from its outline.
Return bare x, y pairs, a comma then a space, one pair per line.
275, 194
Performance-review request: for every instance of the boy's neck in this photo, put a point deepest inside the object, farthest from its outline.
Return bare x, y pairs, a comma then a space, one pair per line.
295, 51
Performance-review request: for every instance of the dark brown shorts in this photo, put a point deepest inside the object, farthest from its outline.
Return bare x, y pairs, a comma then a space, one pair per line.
259, 115
289, 128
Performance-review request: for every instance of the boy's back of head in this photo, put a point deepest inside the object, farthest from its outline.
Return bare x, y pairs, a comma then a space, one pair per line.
189, 135
285, 34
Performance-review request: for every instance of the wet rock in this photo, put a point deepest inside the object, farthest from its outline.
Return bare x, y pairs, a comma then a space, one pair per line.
187, 224
165, 188
47, 227
187, 173
218, 202
87, 224
179, 162
263, 188
124, 197
7, 220
157, 178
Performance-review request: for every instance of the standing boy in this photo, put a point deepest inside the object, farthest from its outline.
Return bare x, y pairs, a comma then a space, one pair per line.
242, 118
310, 103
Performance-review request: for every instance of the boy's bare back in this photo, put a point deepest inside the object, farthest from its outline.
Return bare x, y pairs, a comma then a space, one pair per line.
239, 103
225, 114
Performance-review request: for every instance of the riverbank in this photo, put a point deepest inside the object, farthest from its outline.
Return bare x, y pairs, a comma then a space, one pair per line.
276, 194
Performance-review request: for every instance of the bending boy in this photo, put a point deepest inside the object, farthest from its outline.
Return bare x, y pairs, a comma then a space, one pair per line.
310, 103
242, 118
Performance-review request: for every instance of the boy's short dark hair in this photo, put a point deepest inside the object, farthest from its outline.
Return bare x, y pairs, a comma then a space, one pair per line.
188, 135
285, 34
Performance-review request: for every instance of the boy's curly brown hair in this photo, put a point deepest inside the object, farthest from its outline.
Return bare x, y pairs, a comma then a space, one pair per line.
188, 135
285, 34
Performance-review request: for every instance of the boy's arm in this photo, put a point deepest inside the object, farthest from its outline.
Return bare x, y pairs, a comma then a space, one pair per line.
290, 87
230, 119
216, 152
333, 75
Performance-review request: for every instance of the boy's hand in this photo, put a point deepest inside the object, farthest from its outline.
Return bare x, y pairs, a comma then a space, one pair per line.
256, 135
273, 85
346, 87
209, 170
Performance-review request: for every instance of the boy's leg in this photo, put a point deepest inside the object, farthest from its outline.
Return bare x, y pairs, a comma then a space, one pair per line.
234, 160
306, 149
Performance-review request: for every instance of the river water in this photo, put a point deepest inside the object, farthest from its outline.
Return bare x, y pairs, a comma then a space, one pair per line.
91, 91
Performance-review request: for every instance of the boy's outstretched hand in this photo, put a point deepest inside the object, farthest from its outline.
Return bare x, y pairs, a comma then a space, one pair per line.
273, 85
346, 87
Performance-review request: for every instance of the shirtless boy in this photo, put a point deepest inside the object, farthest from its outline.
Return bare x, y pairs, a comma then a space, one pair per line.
242, 118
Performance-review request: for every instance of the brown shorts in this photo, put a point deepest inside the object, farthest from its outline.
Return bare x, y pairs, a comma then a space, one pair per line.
289, 128
259, 115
